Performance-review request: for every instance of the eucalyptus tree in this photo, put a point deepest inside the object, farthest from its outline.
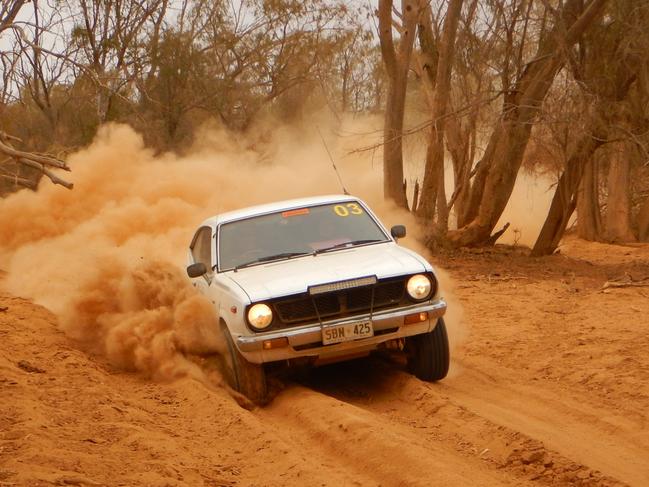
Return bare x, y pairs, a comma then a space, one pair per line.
396, 58
496, 172
609, 66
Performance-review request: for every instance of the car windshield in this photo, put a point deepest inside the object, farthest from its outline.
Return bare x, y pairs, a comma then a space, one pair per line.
296, 232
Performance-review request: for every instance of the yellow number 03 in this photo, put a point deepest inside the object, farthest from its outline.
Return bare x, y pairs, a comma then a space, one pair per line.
346, 210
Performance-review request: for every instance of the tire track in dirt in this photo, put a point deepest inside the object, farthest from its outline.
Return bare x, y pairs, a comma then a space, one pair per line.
447, 432
374, 451
601, 439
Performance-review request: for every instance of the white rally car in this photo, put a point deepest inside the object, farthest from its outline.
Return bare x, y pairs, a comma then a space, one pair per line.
316, 280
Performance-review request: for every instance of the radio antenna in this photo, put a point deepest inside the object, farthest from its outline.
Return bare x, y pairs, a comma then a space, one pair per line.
340, 180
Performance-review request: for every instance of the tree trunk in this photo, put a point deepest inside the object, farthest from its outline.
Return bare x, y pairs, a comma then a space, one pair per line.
589, 219
497, 171
565, 197
643, 221
461, 143
618, 207
397, 64
433, 192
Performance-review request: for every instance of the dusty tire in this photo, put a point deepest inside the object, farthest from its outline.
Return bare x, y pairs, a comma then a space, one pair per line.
245, 377
428, 354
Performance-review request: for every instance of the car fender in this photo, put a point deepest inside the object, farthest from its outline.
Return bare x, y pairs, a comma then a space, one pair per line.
231, 302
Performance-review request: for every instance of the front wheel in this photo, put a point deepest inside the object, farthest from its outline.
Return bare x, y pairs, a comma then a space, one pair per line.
428, 353
247, 378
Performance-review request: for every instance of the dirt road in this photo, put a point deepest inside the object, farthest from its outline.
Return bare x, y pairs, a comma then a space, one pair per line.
551, 386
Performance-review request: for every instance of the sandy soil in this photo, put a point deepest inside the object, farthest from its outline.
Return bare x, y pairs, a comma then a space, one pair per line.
551, 387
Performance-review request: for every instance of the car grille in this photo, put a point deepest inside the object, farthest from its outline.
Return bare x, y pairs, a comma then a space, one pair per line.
303, 308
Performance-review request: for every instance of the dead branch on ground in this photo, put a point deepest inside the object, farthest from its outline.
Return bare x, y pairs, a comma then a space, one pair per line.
622, 284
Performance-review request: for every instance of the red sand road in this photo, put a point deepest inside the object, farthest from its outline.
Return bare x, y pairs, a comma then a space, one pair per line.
551, 386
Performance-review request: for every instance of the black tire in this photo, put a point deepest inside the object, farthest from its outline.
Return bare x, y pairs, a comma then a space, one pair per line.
245, 377
428, 353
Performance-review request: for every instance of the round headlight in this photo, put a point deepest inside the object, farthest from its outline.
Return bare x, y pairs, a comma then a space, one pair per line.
260, 316
419, 287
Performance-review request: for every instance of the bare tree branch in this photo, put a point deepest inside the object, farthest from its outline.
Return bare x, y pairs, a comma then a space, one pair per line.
34, 160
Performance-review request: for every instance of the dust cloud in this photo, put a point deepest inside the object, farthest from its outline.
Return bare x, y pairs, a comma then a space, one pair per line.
108, 256
146, 318
527, 209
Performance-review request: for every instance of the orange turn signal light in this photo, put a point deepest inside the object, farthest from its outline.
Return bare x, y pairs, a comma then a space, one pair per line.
275, 343
415, 318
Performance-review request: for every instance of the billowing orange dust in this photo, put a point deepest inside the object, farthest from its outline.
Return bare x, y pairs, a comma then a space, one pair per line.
108, 256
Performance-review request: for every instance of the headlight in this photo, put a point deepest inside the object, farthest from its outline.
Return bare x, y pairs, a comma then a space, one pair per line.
260, 316
419, 287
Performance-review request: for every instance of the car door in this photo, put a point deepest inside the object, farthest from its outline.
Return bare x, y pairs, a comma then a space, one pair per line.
201, 250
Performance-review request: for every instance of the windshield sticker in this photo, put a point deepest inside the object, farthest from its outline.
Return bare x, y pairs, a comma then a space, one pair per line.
300, 211
348, 209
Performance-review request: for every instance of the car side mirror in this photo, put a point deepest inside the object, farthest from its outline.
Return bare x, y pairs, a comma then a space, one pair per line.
398, 231
196, 270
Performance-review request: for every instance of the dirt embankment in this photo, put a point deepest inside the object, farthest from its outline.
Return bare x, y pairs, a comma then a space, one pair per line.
551, 387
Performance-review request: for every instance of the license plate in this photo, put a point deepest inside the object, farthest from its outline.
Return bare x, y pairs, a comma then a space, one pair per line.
347, 332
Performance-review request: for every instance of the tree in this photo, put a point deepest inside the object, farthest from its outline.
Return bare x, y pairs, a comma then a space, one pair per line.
607, 66
110, 36
496, 172
397, 65
564, 201
432, 192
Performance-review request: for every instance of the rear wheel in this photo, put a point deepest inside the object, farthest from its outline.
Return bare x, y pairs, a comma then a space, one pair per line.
428, 353
247, 378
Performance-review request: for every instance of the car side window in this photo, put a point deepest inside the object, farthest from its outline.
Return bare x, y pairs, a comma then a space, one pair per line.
201, 249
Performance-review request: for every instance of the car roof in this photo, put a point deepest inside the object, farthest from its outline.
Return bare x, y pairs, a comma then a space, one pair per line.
274, 207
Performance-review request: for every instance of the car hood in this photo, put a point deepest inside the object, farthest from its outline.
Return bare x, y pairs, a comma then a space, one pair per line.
286, 277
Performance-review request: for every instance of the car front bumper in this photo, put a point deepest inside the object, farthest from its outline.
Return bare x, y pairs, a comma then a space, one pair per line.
306, 340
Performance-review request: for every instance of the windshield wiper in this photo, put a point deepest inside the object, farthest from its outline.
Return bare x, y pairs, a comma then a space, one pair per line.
351, 243
268, 258
283, 255
246, 264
